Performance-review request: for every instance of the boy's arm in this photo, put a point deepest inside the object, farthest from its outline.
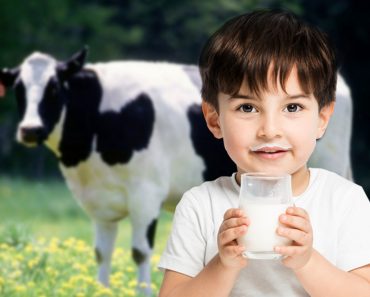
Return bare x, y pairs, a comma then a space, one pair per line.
218, 277
214, 280
320, 278
317, 275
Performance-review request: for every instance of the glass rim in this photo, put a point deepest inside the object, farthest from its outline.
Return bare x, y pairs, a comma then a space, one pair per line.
264, 175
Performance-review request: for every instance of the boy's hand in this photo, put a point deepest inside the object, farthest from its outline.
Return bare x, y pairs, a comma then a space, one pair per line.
235, 224
297, 227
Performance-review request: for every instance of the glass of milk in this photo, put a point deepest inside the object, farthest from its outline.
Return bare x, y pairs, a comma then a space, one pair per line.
264, 198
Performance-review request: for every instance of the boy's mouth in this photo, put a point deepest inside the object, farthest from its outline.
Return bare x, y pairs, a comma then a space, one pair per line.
270, 151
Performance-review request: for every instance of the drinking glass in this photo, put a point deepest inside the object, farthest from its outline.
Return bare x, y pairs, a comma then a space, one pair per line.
264, 198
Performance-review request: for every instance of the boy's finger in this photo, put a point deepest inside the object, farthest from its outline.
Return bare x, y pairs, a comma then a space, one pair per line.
298, 211
290, 251
233, 250
296, 222
300, 237
233, 213
232, 234
233, 222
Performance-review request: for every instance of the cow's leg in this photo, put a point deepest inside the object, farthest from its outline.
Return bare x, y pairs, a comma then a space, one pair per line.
143, 231
105, 236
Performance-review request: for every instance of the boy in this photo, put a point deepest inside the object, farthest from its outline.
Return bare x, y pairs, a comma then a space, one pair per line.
269, 83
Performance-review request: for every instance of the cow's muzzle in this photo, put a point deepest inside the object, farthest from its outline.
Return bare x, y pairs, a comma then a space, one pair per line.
31, 136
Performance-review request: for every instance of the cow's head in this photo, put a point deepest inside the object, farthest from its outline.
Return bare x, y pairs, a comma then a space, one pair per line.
41, 85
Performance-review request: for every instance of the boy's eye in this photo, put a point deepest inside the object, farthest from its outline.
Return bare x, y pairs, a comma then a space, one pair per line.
293, 108
246, 108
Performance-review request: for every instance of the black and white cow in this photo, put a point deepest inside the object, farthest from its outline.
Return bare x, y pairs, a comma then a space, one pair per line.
130, 134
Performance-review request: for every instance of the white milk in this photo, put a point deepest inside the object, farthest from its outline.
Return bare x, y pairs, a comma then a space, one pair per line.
261, 236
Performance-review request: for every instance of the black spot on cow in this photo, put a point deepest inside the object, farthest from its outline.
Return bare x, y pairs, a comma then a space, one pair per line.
20, 93
138, 256
50, 107
119, 134
98, 256
83, 95
211, 149
150, 232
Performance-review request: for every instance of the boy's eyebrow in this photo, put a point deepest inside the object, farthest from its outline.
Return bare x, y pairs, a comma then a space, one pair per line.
241, 96
295, 96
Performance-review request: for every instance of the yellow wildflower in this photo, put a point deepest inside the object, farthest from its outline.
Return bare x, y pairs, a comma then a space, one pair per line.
130, 269
20, 288
41, 240
132, 283
29, 248
32, 263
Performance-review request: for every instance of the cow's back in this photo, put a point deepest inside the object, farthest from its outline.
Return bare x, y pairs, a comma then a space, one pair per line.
333, 149
170, 160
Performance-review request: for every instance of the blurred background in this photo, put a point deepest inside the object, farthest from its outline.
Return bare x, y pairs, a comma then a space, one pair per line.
34, 200
165, 30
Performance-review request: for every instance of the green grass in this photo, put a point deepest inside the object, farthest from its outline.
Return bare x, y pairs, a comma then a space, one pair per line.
39, 213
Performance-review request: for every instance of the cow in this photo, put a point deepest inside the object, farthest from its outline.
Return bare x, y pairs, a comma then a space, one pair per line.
129, 135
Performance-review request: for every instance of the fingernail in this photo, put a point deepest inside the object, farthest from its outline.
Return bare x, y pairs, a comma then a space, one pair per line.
284, 218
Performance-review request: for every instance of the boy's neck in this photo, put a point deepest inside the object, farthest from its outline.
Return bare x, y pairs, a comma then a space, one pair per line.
300, 181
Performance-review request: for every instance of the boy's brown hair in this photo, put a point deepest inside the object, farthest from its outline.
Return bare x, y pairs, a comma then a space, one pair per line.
245, 47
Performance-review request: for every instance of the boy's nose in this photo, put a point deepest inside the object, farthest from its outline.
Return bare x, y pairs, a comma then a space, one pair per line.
270, 127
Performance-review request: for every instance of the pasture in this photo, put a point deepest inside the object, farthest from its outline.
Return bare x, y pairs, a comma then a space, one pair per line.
46, 245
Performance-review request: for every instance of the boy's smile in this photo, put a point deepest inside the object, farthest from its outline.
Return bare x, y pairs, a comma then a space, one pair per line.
273, 132
270, 150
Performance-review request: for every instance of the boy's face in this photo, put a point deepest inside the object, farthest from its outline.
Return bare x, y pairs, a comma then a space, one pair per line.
274, 132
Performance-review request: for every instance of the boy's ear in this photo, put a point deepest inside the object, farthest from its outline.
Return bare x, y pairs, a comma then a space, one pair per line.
325, 114
212, 119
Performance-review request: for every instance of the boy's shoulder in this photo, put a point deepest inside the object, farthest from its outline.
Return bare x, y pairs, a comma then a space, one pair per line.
332, 181
224, 187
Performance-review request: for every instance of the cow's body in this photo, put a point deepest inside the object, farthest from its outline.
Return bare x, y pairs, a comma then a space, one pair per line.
128, 135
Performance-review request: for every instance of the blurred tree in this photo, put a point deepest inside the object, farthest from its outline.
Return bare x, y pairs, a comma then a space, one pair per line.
164, 30
57, 27
348, 24
173, 30
157, 30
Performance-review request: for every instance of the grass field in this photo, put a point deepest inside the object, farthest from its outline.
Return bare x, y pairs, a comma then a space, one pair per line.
46, 244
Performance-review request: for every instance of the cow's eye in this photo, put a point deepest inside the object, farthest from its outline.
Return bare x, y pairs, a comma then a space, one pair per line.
51, 90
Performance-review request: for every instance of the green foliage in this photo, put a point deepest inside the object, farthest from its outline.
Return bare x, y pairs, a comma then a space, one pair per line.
57, 27
151, 30
174, 30
65, 268
46, 250
15, 235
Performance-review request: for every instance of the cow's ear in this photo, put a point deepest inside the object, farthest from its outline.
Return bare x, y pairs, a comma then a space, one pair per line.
73, 65
8, 76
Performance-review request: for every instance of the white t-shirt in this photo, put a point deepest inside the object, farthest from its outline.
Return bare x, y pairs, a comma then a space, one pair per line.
339, 213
